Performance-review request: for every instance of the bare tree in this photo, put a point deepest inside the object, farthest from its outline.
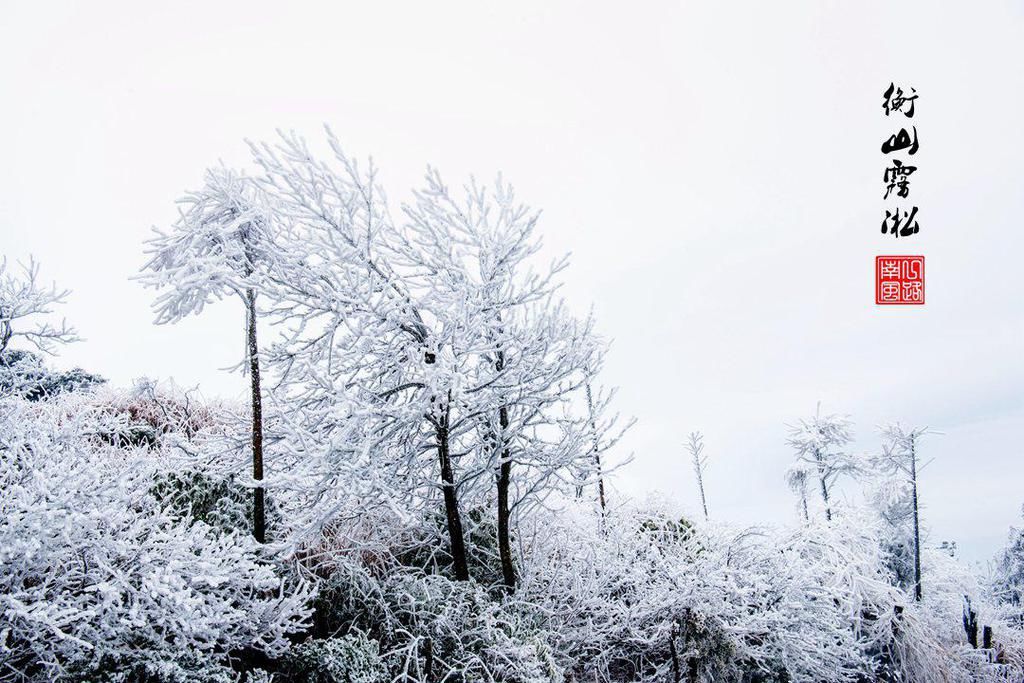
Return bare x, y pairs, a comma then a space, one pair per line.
22, 299
695, 446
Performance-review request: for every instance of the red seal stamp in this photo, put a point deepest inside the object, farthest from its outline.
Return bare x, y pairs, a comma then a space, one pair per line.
899, 280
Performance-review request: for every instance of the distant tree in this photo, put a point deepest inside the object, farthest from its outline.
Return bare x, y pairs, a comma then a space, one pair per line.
899, 457
695, 446
221, 245
23, 300
605, 431
24, 305
819, 443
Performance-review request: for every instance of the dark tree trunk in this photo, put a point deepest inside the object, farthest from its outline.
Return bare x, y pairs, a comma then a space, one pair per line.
451, 498
508, 567
597, 453
677, 673
970, 623
259, 522
824, 497
428, 656
824, 486
917, 522
693, 670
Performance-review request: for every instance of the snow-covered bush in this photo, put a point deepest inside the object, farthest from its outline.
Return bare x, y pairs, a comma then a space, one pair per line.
646, 596
1009, 577
95, 575
24, 374
218, 502
352, 658
430, 626
158, 410
176, 667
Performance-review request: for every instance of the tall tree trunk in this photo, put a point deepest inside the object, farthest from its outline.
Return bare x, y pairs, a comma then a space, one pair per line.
917, 521
504, 480
824, 497
803, 500
451, 498
699, 471
824, 486
508, 568
597, 451
259, 522
703, 500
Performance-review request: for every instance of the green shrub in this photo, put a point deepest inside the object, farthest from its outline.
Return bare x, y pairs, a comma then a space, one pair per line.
353, 658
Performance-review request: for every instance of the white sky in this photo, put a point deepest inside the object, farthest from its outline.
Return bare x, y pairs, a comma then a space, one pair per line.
714, 168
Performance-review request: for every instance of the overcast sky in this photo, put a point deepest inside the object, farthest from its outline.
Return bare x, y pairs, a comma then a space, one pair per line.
714, 168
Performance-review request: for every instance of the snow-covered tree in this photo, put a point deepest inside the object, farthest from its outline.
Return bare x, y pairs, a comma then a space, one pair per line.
25, 303
429, 405
695, 447
890, 498
26, 374
369, 376
819, 443
605, 430
528, 355
221, 245
436, 336
899, 457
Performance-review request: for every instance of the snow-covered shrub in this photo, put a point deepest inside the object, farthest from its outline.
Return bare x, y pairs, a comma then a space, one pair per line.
24, 374
1009, 576
163, 409
155, 667
430, 627
643, 596
352, 658
95, 575
471, 636
216, 501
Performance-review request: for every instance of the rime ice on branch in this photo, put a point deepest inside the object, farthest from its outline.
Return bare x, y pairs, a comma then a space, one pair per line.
23, 300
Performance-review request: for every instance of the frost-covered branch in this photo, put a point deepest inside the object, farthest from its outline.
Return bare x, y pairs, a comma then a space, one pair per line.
24, 299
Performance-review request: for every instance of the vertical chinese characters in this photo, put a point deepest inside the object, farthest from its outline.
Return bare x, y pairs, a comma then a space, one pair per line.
899, 221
